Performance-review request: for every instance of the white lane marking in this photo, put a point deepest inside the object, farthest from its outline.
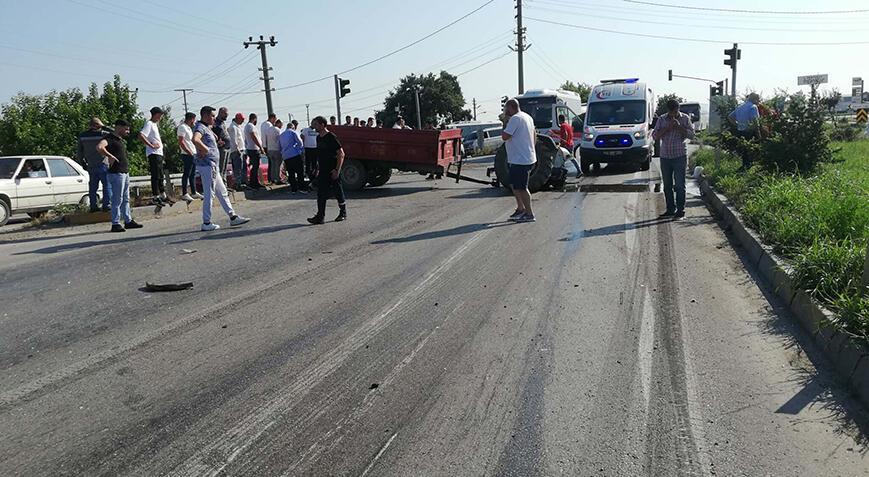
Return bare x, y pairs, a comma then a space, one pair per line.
645, 349
367, 402
631, 226
379, 454
240, 436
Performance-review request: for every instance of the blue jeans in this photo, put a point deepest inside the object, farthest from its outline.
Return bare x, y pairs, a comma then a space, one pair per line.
120, 184
673, 173
97, 177
188, 174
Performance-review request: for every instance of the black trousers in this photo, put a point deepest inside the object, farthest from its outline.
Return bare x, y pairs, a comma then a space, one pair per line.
253, 157
295, 172
748, 136
311, 162
326, 187
155, 164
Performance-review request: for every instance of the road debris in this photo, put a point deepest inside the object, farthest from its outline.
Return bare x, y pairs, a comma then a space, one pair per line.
168, 287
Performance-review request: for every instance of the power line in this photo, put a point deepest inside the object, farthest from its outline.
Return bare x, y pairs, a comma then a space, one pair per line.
717, 27
484, 64
694, 15
398, 50
699, 40
733, 10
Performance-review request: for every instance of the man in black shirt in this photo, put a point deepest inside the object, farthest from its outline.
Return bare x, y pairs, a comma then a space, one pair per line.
95, 163
331, 158
114, 148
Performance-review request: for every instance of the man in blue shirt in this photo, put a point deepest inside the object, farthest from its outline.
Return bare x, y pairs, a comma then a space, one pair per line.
207, 165
292, 148
746, 117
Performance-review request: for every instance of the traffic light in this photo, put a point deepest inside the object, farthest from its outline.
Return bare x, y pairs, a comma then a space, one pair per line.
503, 102
733, 54
717, 90
343, 86
671, 75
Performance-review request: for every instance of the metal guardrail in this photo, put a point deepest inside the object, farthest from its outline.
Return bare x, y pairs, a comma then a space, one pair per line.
145, 181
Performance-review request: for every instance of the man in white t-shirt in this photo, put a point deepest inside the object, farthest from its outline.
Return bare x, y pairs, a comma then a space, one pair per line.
253, 147
150, 135
188, 151
519, 137
236, 151
270, 134
309, 139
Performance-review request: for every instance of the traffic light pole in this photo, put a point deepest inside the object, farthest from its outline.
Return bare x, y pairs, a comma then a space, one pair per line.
338, 99
735, 61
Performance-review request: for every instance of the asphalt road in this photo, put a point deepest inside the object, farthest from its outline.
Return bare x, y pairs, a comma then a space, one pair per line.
424, 336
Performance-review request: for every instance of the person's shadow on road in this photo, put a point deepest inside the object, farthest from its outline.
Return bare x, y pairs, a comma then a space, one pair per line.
461, 230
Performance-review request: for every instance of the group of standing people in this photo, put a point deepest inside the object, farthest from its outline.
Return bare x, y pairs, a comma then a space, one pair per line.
312, 157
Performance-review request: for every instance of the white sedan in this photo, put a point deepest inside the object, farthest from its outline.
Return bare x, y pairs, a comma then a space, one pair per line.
35, 184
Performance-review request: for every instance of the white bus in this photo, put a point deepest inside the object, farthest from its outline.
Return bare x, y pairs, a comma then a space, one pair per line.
695, 111
545, 105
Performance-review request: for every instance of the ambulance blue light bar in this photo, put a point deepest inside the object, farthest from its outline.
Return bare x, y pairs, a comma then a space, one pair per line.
620, 80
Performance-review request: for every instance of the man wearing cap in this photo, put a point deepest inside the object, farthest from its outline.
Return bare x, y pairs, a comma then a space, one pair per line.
96, 164
236, 151
207, 163
220, 130
114, 148
150, 135
254, 148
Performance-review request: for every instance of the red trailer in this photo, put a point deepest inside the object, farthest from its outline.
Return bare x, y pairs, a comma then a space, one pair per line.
372, 153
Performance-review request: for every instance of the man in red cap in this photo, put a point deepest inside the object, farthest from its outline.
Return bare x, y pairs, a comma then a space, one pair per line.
236, 151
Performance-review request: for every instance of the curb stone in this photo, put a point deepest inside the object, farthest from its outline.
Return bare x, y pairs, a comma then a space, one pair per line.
849, 359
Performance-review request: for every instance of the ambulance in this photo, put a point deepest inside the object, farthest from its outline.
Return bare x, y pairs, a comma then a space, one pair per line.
617, 125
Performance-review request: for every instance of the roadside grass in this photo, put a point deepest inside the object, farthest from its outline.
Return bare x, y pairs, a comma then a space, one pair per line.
819, 223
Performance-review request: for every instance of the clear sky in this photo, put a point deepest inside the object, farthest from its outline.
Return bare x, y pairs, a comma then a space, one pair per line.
160, 45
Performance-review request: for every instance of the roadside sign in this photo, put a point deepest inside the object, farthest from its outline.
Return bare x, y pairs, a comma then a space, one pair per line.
811, 80
861, 116
857, 81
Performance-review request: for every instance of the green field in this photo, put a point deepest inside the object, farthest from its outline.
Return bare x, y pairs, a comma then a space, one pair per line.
819, 223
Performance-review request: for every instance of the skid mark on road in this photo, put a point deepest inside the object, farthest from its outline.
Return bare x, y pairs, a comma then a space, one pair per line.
228, 446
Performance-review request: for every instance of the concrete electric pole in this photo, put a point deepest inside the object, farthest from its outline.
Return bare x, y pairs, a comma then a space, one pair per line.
474, 101
416, 99
261, 44
520, 46
184, 93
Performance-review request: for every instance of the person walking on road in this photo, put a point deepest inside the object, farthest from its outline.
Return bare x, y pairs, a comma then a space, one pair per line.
747, 119
150, 135
114, 148
331, 158
270, 134
309, 138
188, 151
254, 148
221, 131
519, 138
96, 163
672, 129
207, 164
292, 150
236, 151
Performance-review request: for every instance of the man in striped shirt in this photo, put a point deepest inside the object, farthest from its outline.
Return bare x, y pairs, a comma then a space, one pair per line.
672, 129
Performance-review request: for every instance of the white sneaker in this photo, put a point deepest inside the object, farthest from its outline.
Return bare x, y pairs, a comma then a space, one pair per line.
197, 195
209, 227
187, 198
238, 220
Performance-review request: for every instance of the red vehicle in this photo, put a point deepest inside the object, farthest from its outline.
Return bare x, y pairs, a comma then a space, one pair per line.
372, 153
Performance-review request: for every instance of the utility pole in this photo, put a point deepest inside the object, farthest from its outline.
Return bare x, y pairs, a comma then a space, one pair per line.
308, 113
475, 108
261, 44
184, 93
520, 46
416, 99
